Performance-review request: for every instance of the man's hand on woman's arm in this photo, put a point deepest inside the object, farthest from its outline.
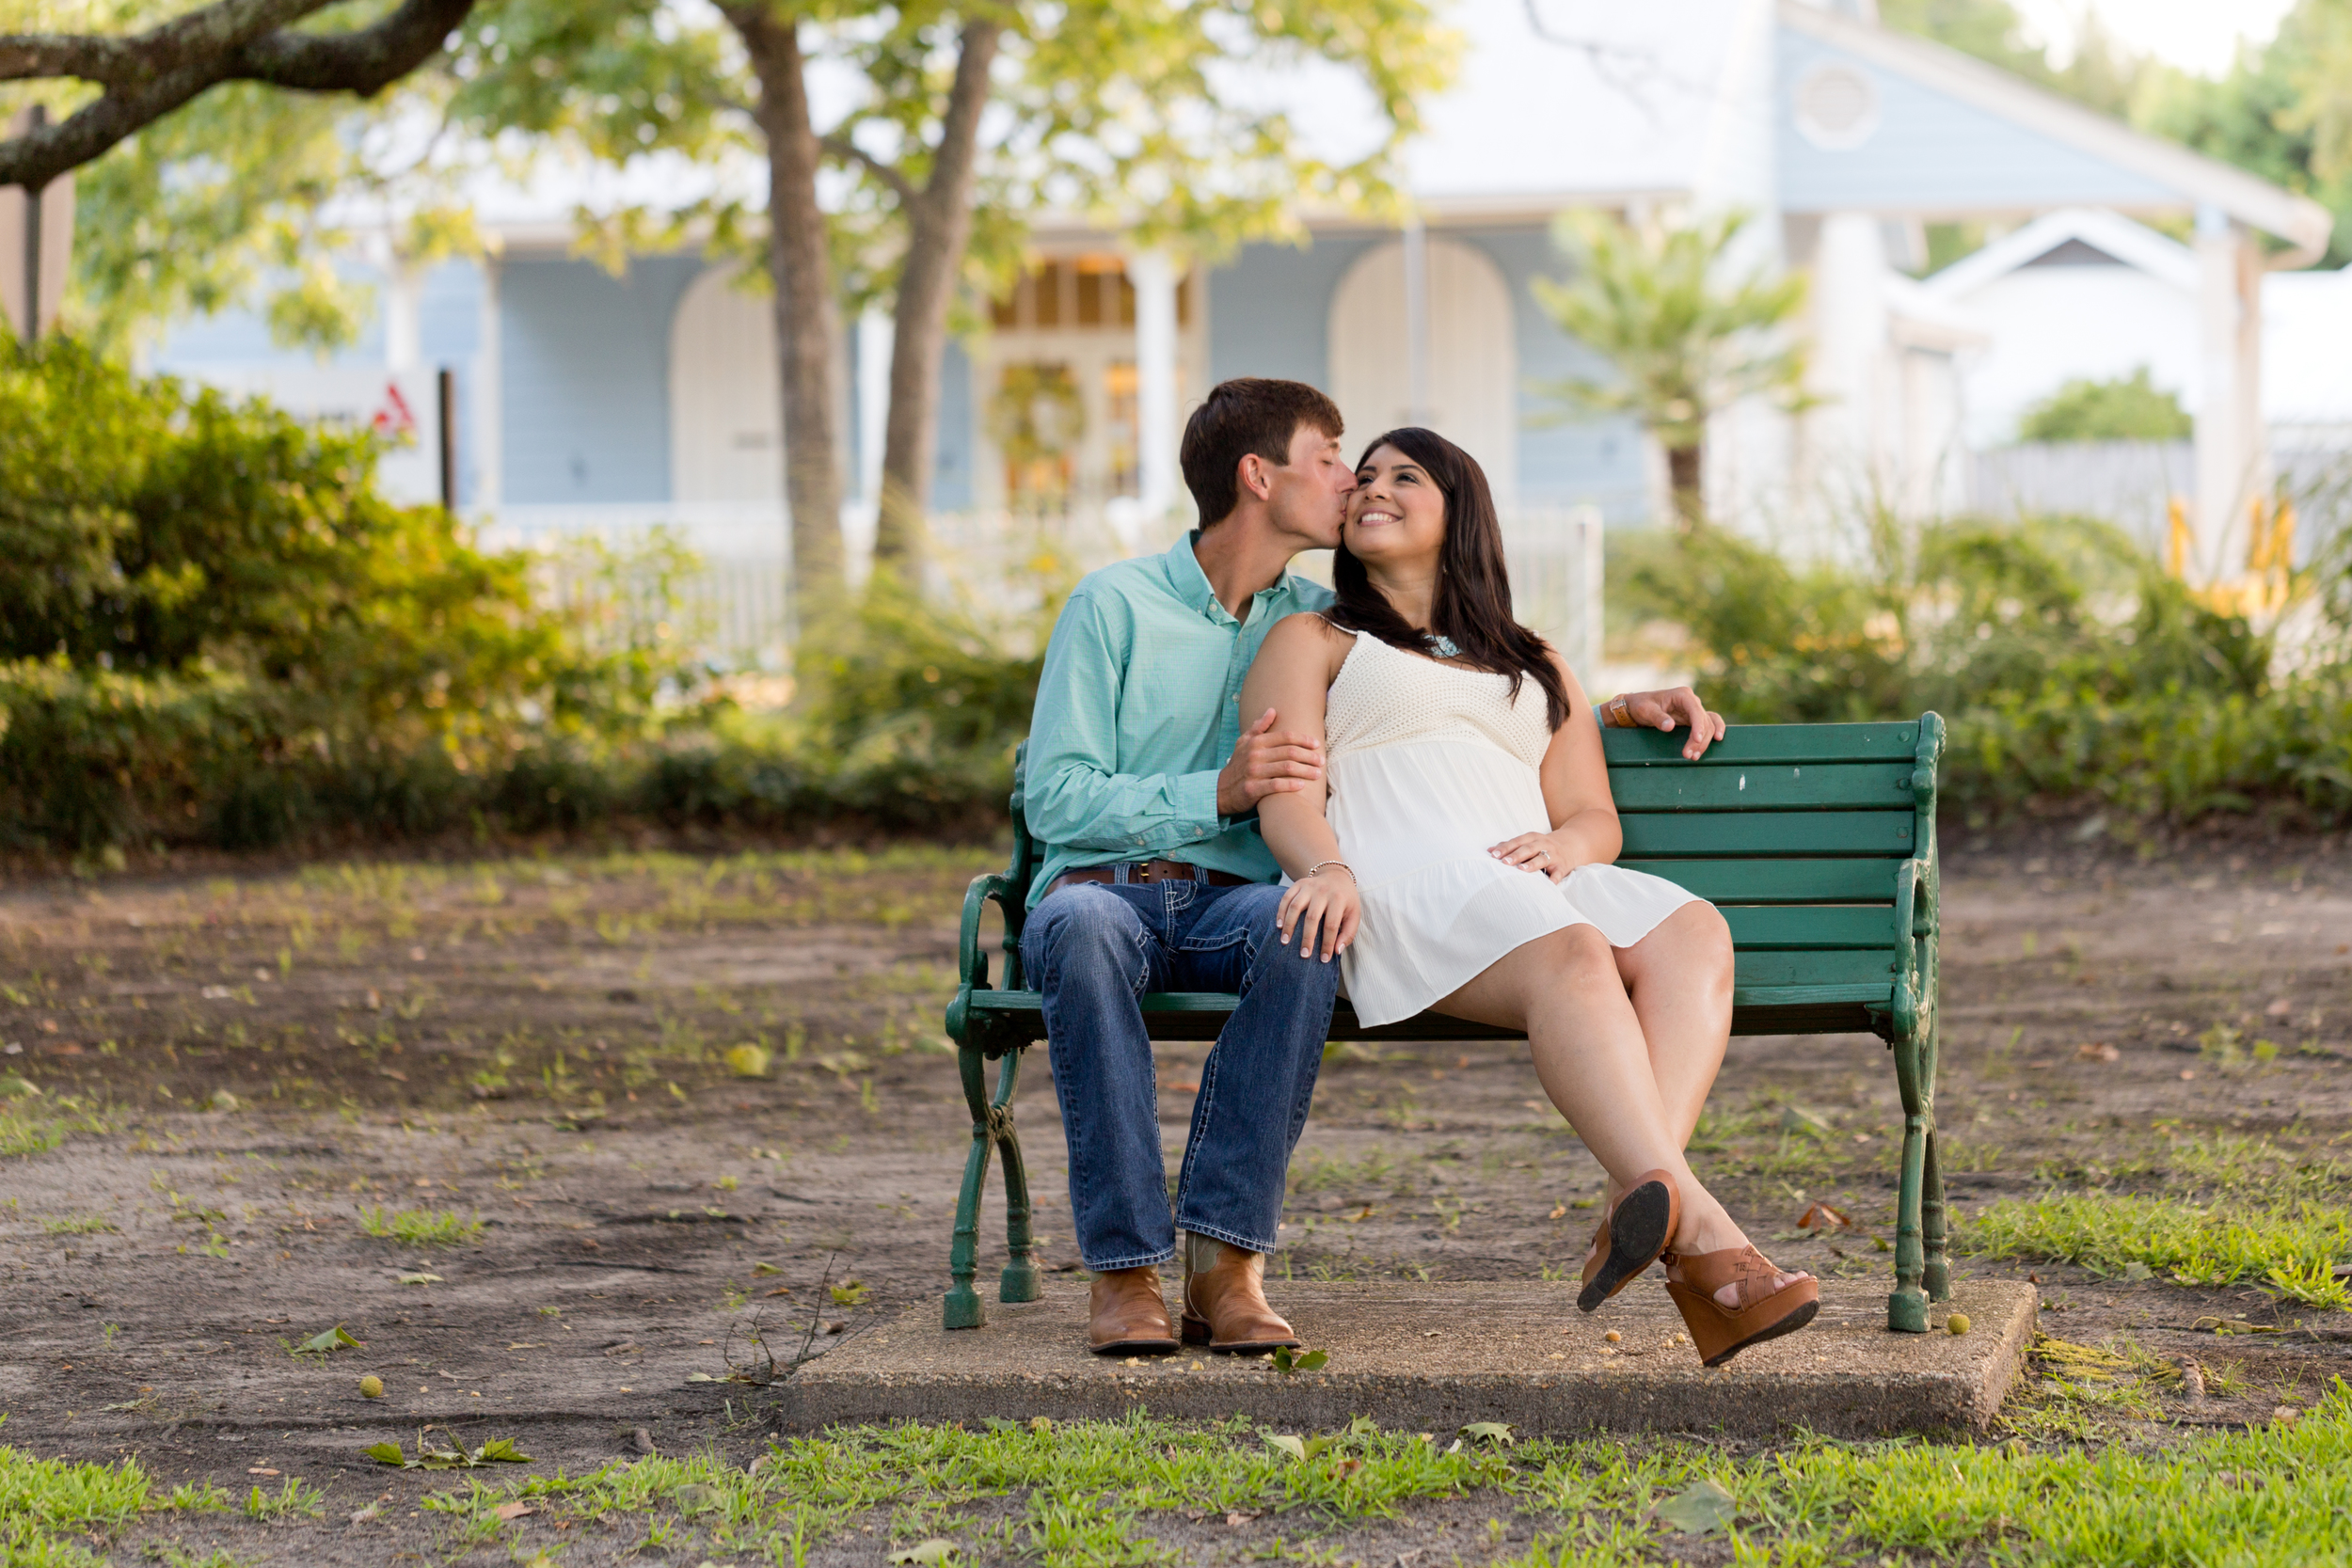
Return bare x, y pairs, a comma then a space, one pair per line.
1268, 762
1664, 710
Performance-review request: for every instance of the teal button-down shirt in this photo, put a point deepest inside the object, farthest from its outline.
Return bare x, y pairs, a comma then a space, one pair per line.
1135, 715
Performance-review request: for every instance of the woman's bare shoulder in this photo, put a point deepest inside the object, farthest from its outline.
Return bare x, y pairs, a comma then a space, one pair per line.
1307, 636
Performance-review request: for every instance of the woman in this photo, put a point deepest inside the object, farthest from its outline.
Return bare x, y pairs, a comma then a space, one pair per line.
1462, 863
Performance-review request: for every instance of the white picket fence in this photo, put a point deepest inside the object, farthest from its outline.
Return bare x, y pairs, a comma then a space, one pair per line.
718, 578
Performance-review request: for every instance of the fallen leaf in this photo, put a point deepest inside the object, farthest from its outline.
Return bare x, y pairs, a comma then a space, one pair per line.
421, 1279
934, 1550
2280, 1008
513, 1511
257, 1470
2098, 1050
1557, 1210
765, 1269
1820, 1216
1495, 1432
1281, 1442
331, 1339
1701, 1509
1234, 1521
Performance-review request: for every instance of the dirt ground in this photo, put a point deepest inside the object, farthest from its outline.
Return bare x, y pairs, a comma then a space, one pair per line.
253, 1069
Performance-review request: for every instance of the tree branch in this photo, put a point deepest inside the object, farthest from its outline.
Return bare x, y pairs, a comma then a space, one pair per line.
149, 75
121, 62
365, 62
841, 146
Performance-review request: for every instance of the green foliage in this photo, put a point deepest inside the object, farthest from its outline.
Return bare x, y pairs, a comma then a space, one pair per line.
1685, 342
221, 631
2128, 408
2068, 666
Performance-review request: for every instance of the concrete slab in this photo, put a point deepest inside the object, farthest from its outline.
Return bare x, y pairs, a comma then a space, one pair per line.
1433, 1357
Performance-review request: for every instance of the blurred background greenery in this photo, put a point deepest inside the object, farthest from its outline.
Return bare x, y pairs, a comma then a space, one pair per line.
213, 631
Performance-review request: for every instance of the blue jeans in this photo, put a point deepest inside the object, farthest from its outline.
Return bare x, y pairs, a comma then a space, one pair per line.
1092, 950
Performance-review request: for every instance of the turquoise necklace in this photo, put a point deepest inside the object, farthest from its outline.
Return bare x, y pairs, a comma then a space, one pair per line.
1444, 648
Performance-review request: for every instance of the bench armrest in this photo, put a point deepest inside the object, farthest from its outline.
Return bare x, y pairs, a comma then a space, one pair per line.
971, 961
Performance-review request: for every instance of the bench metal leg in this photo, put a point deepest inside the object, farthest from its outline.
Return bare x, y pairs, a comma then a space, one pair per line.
1936, 1276
1020, 1281
1907, 1308
963, 1308
992, 1129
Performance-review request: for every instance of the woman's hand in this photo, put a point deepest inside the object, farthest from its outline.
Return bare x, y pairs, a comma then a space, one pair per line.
1549, 853
1323, 905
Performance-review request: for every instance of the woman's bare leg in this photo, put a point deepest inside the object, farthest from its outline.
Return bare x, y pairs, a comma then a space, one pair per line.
1565, 992
1679, 978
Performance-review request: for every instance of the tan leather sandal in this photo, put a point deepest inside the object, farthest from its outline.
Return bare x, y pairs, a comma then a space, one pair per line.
1763, 1313
1632, 1234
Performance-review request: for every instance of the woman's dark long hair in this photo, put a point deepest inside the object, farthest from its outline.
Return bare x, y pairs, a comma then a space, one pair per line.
1472, 604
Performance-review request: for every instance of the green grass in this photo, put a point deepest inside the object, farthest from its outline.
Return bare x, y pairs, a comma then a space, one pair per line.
45, 1504
1112, 1494
1080, 1495
76, 1225
21, 1133
419, 1227
2290, 1246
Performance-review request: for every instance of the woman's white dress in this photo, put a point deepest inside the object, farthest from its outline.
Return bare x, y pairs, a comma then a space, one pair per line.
1431, 765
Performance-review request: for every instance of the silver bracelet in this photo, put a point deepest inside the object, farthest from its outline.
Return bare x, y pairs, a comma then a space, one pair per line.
1320, 864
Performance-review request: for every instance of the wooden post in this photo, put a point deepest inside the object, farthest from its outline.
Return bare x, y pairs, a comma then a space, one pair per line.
448, 388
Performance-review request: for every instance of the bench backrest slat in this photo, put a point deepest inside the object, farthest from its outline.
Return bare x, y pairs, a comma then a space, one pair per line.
1746, 745
1752, 835
1775, 881
1762, 787
1810, 927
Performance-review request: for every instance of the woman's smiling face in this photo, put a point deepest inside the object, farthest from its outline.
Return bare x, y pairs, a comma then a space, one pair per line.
1396, 512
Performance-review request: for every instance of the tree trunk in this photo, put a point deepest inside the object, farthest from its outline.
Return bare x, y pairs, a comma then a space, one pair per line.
807, 320
939, 225
1684, 466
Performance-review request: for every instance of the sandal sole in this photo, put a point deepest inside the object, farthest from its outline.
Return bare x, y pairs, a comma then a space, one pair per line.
1638, 1232
1801, 1315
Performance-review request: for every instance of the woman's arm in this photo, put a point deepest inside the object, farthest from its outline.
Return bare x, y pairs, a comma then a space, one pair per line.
1292, 674
1575, 773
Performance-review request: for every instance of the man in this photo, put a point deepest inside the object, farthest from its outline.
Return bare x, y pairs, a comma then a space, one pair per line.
1155, 877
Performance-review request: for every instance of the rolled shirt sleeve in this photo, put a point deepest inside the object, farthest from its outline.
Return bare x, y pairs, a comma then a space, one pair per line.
1075, 794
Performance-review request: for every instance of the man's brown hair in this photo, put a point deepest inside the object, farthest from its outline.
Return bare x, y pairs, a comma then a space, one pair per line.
1245, 414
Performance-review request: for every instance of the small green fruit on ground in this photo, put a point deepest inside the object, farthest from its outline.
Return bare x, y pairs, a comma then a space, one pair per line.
1957, 1323
371, 1386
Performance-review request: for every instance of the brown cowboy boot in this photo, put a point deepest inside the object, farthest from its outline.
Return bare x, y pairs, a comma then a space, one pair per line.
1126, 1314
1225, 1305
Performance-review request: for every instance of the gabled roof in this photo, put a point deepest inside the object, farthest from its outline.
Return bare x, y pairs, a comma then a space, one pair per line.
2197, 179
2133, 245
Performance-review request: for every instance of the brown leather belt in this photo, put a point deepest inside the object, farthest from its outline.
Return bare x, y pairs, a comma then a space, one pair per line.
1148, 871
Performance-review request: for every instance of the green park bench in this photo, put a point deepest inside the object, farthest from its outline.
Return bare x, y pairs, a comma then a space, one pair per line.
1816, 842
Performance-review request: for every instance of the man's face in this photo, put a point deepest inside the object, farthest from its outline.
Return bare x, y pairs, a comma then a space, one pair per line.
1308, 493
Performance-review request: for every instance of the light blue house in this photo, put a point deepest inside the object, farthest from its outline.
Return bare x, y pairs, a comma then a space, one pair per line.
582, 399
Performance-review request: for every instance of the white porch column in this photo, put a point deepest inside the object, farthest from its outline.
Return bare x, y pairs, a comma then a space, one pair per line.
1416, 245
1853, 433
875, 334
404, 325
488, 397
2233, 455
1153, 275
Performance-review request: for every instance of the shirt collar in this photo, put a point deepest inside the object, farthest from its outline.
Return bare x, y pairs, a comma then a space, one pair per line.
1192, 584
